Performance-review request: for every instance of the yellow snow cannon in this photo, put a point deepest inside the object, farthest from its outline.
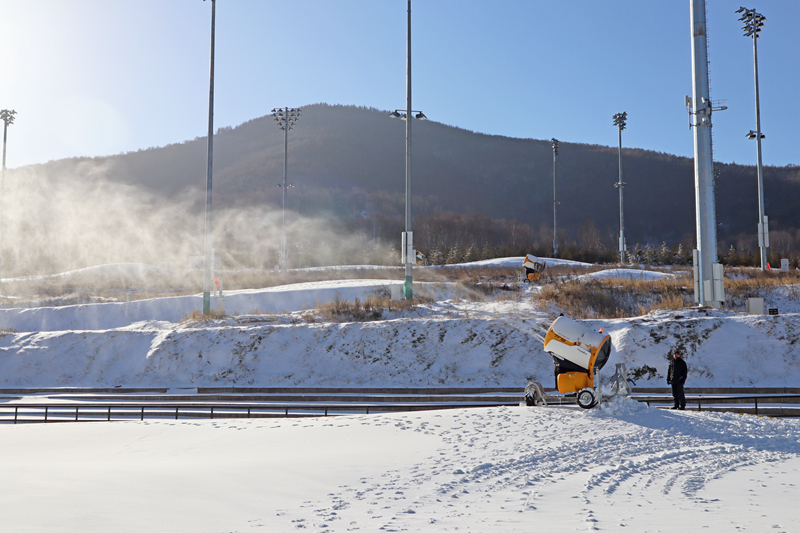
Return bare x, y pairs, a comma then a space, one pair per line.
578, 354
533, 268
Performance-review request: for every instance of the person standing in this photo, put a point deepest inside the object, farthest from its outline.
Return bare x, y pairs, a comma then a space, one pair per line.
676, 376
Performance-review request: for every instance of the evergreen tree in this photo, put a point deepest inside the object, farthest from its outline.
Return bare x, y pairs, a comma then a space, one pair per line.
454, 255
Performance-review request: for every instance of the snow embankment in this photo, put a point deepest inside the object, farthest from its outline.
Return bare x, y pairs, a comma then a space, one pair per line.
432, 350
286, 298
627, 273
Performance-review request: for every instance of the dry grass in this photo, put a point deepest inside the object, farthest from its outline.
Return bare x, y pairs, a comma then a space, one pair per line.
743, 283
622, 298
372, 308
198, 316
616, 297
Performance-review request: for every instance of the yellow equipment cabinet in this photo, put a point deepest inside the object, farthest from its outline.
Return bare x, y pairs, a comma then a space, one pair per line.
532, 267
578, 353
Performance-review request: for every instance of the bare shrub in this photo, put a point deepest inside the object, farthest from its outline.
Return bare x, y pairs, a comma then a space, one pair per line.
198, 316
372, 308
615, 297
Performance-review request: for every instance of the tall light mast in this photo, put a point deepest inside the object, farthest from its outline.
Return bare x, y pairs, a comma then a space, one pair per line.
708, 276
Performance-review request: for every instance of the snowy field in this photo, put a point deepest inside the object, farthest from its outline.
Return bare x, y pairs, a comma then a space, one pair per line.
625, 467
622, 467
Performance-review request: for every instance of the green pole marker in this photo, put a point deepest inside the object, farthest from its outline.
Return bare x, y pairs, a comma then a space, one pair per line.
407, 291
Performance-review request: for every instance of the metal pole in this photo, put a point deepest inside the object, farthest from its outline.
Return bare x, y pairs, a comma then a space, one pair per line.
620, 186
3, 189
703, 160
761, 216
207, 249
407, 285
555, 203
3, 177
285, 168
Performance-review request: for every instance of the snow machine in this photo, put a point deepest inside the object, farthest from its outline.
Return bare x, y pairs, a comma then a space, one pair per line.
532, 268
578, 354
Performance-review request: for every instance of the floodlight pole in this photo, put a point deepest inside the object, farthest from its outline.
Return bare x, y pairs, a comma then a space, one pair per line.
620, 121
407, 254
555, 203
753, 22
285, 173
286, 117
708, 273
408, 291
208, 251
7, 116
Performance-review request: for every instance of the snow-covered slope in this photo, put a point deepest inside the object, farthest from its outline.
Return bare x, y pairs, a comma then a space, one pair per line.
623, 467
450, 342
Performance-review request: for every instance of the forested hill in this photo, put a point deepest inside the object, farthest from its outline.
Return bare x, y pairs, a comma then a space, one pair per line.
350, 161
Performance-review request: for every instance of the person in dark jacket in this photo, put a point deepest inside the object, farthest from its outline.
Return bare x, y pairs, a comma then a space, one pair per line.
676, 376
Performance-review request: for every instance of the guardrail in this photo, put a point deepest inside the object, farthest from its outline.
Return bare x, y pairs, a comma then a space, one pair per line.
711, 401
61, 412
146, 404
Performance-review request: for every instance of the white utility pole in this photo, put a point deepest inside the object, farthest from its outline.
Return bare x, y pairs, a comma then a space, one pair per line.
708, 277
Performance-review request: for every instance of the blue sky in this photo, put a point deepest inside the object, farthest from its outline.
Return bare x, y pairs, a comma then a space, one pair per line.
99, 77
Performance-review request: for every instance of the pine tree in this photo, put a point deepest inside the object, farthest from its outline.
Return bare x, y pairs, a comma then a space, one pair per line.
469, 253
664, 254
649, 254
454, 255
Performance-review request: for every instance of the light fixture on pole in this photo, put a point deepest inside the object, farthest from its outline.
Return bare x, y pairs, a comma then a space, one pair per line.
753, 22
620, 121
408, 256
286, 117
555, 203
208, 251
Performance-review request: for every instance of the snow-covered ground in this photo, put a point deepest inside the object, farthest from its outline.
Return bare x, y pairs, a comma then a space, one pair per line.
624, 466
626, 273
452, 341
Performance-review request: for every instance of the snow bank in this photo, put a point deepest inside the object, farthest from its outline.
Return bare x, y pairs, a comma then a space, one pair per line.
626, 273
286, 298
517, 262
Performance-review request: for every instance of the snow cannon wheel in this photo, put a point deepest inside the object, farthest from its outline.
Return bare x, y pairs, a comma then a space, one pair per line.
586, 399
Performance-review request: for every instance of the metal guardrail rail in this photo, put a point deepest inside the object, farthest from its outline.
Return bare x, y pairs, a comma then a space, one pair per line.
75, 404
83, 412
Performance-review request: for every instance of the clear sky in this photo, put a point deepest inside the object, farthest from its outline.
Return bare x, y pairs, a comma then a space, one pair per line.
99, 77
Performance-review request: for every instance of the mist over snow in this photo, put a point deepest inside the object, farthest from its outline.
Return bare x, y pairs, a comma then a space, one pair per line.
56, 221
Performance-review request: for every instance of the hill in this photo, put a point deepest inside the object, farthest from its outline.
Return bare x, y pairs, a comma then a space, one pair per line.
348, 163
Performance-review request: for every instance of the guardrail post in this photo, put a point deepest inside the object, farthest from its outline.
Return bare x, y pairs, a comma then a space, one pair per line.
248, 412
212, 411
699, 405
16, 410
368, 409
45, 413
176, 412
142, 413
756, 401
287, 411
76, 413
326, 411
